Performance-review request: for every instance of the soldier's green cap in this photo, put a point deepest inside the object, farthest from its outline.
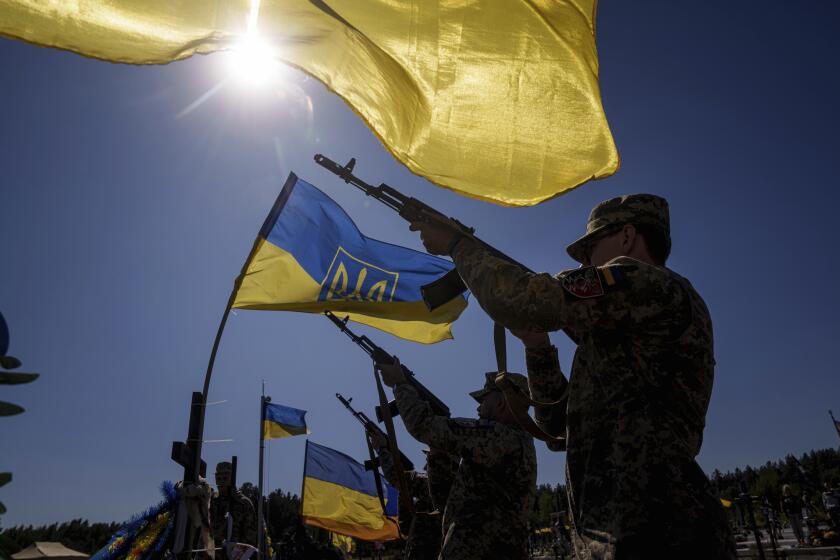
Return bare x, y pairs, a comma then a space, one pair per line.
636, 209
490, 384
224, 466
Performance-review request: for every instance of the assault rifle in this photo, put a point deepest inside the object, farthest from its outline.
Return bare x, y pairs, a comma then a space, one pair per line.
380, 356
450, 284
371, 428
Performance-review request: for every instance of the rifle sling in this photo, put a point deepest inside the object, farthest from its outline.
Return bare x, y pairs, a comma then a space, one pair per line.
376, 476
518, 404
517, 401
402, 485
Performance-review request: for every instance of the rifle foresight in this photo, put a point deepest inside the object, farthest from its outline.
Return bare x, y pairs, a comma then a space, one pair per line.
340, 323
340, 170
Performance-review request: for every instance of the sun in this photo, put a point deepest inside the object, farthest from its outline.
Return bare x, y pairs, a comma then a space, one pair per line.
251, 62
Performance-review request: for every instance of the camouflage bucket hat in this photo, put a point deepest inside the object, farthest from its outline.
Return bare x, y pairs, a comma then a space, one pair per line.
224, 466
637, 209
490, 384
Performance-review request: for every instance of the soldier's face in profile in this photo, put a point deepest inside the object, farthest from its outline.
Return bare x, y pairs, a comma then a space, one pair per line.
489, 407
604, 249
222, 479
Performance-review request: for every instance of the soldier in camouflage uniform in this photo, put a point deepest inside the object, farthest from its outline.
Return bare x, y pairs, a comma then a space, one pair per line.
486, 515
229, 499
424, 536
640, 382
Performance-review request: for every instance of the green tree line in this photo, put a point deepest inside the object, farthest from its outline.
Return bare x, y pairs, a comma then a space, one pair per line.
806, 474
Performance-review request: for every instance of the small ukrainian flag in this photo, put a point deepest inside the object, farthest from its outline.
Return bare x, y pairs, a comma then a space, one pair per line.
283, 421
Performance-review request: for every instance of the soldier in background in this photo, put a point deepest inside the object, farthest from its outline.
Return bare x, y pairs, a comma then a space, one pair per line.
640, 384
232, 515
425, 534
831, 503
486, 514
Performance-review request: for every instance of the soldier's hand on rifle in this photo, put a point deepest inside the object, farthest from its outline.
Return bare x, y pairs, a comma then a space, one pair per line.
436, 236
392, 373
532, 339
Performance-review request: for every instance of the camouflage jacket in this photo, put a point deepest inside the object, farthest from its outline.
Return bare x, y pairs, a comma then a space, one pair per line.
637, 397
486, 515
424, 535
244, 519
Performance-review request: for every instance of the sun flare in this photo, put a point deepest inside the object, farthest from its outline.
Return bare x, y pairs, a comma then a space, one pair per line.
251, 62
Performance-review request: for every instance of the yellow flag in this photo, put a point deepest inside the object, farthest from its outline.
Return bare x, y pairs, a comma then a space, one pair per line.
494, 99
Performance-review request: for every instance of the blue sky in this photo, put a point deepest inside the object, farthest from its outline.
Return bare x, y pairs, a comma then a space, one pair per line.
123, 226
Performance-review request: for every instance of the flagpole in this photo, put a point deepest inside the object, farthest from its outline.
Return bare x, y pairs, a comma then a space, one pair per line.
260, 523
303, 477
212, 361
192, 472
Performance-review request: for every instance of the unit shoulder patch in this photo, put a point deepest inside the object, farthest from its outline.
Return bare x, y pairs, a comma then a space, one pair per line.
591, 281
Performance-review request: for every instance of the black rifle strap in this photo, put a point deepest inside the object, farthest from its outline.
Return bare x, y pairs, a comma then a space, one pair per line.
376, 476
402, 485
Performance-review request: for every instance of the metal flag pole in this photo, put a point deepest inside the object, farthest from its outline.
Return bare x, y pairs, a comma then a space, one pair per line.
188, 454
260, 522
212, 361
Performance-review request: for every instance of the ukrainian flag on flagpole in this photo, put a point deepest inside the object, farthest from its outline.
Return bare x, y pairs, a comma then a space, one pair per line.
283, 421
340, 495
310, 256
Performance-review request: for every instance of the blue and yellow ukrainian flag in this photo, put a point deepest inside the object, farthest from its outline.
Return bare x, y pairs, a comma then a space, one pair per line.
311, 257
340, 495
283, 421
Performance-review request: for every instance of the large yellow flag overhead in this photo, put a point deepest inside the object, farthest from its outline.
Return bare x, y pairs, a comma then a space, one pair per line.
494, 99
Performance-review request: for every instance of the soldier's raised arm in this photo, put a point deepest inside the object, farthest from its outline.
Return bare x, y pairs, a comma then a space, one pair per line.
459, 436
624, 292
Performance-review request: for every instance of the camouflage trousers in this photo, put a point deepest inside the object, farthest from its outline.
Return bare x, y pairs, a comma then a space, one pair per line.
682, 520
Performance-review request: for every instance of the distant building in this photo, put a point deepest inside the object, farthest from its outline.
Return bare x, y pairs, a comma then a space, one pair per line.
54, 550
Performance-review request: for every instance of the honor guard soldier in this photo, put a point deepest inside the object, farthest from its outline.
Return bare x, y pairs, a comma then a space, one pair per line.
640, 382
491, 498
424, 537
232, 514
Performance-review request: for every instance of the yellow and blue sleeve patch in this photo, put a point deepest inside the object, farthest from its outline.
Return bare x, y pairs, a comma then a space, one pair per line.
611, 274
